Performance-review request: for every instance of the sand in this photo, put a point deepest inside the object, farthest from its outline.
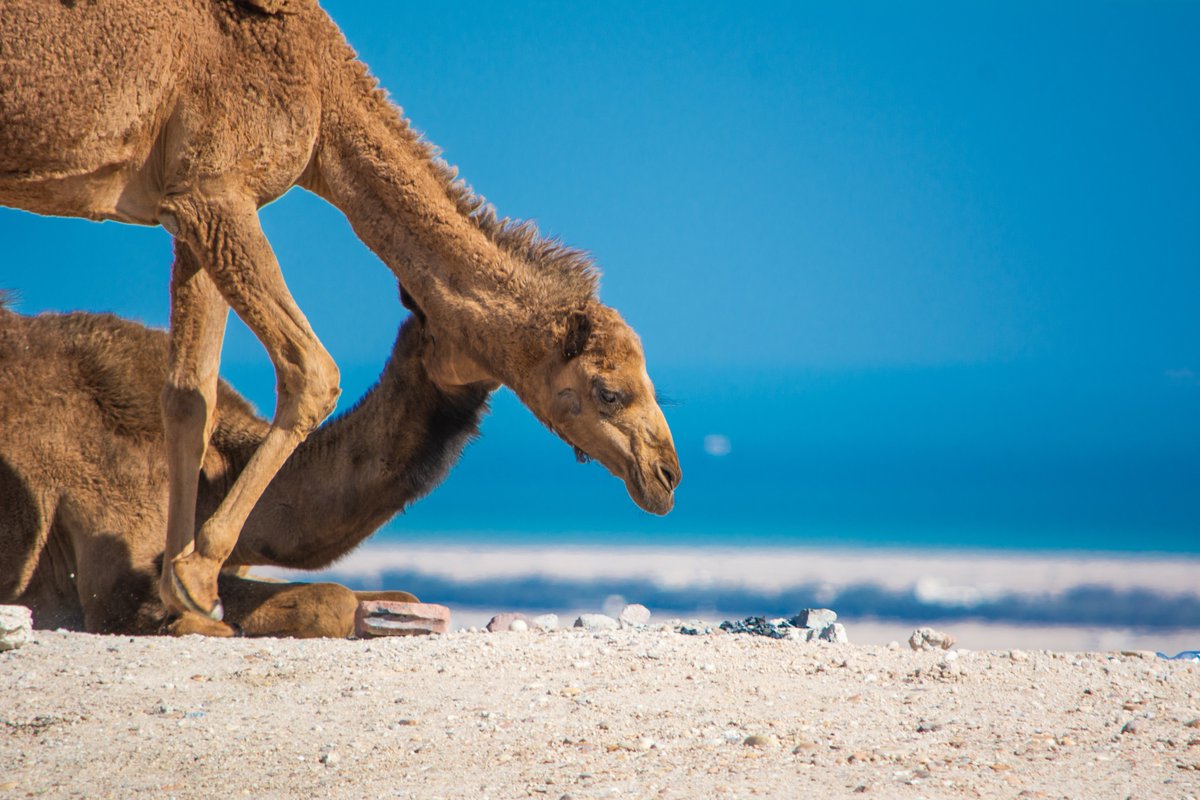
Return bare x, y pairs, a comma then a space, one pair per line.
623, 714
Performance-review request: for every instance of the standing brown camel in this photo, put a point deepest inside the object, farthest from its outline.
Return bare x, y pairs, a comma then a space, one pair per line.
192, 115
83, 483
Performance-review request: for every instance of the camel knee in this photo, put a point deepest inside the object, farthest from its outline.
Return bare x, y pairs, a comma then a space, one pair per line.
186, 413
308, 391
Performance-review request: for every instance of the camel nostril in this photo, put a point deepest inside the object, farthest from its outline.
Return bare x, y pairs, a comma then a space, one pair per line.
668, 477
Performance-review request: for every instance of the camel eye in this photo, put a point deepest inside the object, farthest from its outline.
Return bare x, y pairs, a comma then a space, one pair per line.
607, 396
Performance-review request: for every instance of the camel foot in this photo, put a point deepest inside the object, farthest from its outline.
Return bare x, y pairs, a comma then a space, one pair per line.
199, 625
194, 581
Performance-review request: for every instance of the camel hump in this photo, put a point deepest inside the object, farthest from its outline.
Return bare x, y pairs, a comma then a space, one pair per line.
276, 6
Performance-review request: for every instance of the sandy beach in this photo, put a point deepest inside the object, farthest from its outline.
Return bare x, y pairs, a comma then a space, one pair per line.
573, 714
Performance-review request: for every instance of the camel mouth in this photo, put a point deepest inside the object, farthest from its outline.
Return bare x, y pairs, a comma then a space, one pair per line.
654, 500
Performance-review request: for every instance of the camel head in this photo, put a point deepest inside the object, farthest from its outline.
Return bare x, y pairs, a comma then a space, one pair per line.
588, 385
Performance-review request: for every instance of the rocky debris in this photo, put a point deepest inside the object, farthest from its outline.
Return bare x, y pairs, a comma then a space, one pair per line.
768, 741
545, 622
634, 615
824, 629
1135, 725
387, 618
929, 639
597, 622
506, 621
16, 627
694, 628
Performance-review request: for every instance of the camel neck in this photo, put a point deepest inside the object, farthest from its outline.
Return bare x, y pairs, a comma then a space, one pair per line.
358, 471
483, 281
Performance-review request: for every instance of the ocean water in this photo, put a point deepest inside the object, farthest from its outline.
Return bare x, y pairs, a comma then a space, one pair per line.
1027, 456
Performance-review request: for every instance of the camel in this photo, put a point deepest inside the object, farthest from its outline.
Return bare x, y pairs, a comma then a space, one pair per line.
194, 114
83, 480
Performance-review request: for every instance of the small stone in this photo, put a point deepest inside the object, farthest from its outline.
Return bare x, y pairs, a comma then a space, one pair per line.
330, 759
545, 622
814, 618
929, 639
388, 618
634, 615
597, 622
1018, 655
1195, 723
518, 626
1134, 726
16, 627
834, 632
769, 740
504, 622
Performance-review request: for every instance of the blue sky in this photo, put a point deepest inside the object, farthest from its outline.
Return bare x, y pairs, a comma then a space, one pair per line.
941, 261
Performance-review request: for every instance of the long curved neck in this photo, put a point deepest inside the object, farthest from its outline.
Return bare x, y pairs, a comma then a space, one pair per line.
358, 471
488, 284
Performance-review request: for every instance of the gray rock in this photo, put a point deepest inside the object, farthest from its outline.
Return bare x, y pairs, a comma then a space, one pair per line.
834, 632
597, 622
814, 618
545, 622
16, 627
634, 615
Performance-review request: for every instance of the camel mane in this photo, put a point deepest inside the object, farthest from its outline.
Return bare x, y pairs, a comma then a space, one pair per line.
571, 272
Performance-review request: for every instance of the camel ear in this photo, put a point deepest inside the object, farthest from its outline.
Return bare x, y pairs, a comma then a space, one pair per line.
408, 302
579, 329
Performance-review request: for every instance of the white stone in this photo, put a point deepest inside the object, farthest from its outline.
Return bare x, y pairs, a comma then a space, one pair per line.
836, 633
545, 622
597, 622
16, 627
518, 626
634, 615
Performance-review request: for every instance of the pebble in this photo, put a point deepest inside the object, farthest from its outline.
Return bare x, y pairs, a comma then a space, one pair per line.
929, 639
769, 741
518, 626
16, 627
330, 759
634, 615
504, 622
597, 622
1135, 725
694, 628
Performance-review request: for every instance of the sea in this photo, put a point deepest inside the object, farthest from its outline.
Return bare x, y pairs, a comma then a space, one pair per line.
970, 461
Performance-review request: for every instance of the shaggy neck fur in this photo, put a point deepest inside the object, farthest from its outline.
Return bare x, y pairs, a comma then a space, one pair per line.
398, 443
496, 286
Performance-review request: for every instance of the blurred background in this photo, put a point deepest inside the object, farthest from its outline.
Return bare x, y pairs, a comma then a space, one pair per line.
914, 275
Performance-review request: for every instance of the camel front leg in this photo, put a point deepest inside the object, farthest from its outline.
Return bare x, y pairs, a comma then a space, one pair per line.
189, 399
223, 233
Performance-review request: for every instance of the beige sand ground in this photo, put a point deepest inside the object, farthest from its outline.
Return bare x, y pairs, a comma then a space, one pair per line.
572, 714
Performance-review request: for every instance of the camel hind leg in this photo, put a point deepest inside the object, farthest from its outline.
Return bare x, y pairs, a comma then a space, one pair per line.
223, 233
297, 610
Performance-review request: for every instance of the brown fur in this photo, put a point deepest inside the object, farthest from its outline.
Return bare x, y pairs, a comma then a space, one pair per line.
195, 113
83, 483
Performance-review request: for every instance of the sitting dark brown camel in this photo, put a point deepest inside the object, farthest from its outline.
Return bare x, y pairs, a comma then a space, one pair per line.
83, 480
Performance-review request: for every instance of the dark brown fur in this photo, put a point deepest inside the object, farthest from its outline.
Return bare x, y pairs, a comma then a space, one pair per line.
83, 485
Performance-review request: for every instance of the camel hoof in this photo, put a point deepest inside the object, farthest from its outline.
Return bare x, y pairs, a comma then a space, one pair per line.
186, 564
197, 625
